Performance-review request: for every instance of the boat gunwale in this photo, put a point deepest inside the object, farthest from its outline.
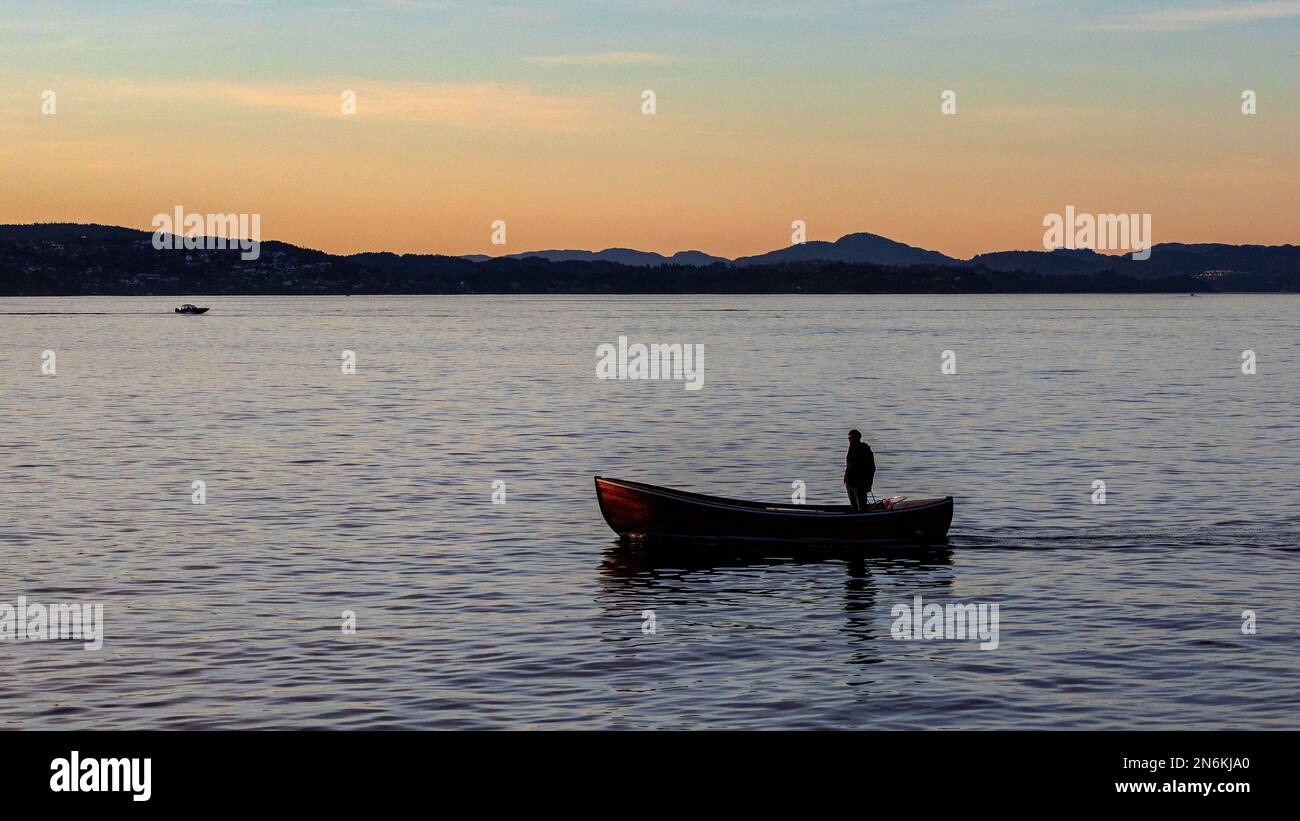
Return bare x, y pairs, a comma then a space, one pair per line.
922, 505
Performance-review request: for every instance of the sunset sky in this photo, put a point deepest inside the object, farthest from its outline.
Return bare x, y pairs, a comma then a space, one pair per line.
530, 112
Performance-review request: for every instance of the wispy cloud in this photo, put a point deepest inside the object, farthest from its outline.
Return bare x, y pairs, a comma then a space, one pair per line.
601, 58
1195, 17
463, 105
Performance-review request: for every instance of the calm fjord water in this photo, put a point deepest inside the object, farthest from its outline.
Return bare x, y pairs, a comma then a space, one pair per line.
372, 493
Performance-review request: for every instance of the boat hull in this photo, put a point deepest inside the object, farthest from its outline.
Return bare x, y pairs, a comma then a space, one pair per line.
640, 511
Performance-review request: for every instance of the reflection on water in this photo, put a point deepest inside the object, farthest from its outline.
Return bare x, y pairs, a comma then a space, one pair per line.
639, 563
668, 575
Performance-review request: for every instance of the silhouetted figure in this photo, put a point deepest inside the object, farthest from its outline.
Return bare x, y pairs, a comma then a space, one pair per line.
859, 471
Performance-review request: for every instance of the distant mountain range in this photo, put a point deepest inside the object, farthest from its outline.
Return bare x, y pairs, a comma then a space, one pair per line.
1167, 259
867, 248
74, 259
621, 256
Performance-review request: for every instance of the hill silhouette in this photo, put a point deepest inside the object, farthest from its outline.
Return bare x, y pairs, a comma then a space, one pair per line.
74, 259
860, 247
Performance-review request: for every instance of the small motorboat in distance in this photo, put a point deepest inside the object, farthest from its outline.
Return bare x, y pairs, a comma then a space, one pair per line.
639, 511
187, 308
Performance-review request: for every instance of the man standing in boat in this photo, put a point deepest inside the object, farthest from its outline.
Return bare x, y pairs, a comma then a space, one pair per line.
860, 471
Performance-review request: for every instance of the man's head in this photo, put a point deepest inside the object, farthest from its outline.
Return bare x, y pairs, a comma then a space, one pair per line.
855, 436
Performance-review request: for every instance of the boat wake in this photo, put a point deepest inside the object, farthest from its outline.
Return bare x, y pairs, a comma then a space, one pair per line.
1222, 535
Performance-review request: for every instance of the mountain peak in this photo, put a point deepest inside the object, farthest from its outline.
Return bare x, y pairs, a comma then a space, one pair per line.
857, 247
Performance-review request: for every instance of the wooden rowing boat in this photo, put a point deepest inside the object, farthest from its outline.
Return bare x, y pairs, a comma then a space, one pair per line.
639, 511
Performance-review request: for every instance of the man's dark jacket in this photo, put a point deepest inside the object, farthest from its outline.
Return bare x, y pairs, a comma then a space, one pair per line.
860, 470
